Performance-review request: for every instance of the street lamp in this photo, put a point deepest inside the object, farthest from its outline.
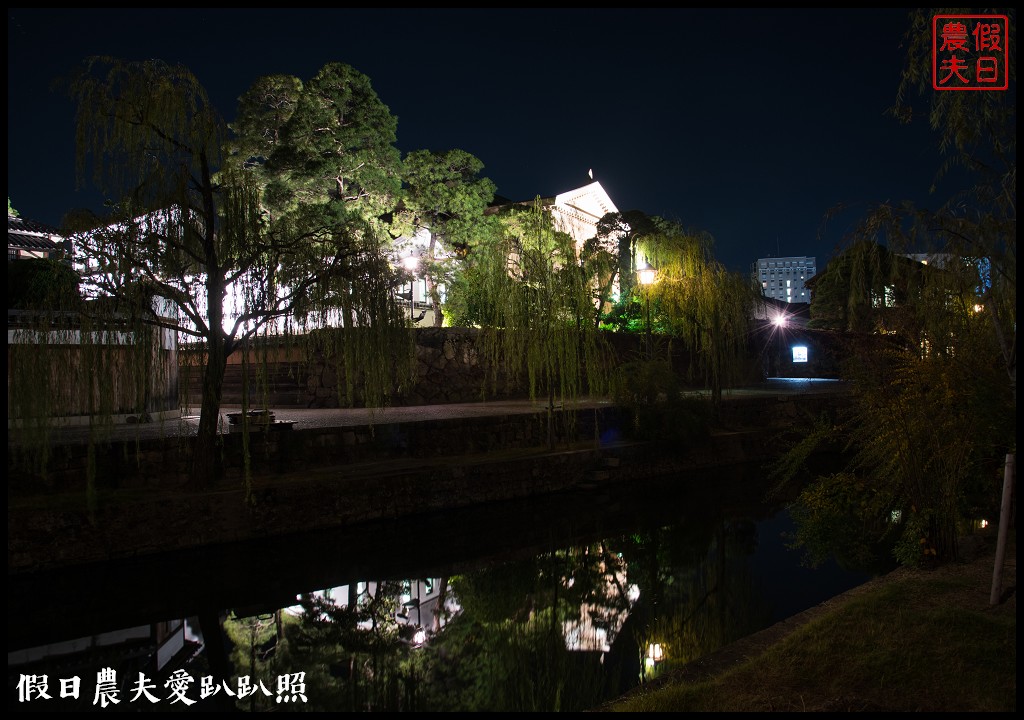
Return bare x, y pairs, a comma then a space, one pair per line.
410, 262
647, 277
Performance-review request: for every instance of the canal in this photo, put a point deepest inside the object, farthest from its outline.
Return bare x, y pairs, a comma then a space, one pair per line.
554, 603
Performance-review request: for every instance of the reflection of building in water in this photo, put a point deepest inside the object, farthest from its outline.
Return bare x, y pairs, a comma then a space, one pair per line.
417, 606
147, 649
600, 622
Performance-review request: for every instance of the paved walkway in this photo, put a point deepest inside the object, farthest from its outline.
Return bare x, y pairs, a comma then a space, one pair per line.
306, 418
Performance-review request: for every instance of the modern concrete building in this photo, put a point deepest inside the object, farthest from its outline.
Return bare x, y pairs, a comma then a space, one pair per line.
783, 278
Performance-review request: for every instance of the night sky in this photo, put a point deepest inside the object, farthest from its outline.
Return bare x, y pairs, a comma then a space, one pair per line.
748, 124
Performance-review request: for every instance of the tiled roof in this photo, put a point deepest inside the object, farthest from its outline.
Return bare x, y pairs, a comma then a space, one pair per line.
31, 235
19, 224
24, 241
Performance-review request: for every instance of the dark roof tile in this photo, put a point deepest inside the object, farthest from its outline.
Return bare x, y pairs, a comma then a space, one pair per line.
20, 224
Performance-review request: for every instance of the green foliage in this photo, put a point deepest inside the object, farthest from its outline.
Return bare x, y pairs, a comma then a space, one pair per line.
328, 139
857, 290
934, 366
534, 307
696, 300
278, 230
11, 212
927, 435
42, 284
620, 234
627, 316
443, 196
848, 518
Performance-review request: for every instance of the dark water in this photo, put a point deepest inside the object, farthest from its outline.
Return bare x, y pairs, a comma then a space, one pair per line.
549, 604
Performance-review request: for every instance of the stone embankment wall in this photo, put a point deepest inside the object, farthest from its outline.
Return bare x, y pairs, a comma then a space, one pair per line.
448, 369
332, 477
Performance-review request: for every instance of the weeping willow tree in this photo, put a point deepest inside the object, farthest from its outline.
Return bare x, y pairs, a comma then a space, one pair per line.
70, 360
239, 244
698, 301
533, 302
932, 294
933, 412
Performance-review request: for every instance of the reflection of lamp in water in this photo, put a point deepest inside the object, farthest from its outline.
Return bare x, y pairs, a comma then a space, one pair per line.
410, 262
655, 654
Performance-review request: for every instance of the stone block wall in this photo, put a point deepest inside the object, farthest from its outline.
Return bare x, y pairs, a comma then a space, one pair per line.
448, 369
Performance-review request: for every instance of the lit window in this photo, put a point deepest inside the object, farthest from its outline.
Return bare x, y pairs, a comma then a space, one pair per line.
799, 353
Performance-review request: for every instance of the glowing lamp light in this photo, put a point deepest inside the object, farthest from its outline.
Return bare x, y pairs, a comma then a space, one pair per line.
779, 320
655, 653
647, 276
410, 262
420, 637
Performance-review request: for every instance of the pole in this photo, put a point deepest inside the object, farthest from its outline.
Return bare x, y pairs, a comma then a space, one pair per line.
1004, 527
647, 295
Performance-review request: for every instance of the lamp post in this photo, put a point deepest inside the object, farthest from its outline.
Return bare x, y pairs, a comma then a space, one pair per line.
410, 262
647, 278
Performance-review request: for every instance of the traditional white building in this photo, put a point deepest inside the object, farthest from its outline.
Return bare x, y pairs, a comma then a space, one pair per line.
574, 212
578, 211
27, 239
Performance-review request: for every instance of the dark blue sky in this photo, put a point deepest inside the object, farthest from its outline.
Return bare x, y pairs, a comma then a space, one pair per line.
748, 124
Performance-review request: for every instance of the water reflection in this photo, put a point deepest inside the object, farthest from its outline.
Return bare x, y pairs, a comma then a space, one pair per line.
548, 604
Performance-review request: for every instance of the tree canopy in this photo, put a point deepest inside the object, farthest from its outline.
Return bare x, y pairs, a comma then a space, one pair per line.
533, 305
445, 197
283, 224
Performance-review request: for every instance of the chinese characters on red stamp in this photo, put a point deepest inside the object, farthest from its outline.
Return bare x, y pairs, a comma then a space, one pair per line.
969, 52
